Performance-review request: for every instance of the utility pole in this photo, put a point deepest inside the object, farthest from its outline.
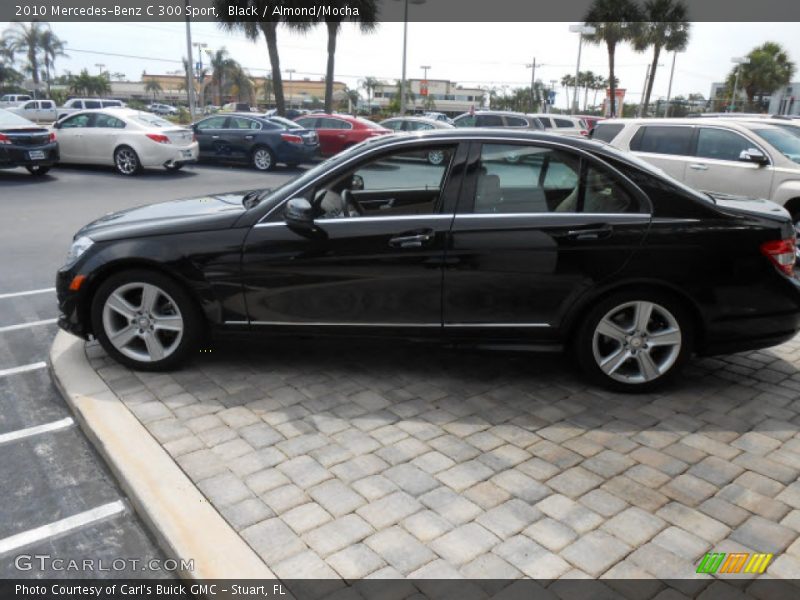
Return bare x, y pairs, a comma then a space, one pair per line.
669, 89
190, 90
642, 107
532, 67
581, 30
425, 70
290, 72
553, 83
739, 62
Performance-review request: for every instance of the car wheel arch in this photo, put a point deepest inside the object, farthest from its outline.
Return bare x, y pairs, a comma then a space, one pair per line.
211, 310
793, 206
580, 308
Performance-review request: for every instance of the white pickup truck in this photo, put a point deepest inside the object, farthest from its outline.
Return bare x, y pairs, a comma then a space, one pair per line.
12, 100
38, 111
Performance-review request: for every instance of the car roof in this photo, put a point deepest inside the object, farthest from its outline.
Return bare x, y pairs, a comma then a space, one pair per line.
688, 121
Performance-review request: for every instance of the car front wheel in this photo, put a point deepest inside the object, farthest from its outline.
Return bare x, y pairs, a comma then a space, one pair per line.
144, 320
263, 160
634, 342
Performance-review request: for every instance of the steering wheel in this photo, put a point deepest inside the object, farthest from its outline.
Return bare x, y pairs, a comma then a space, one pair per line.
350, 207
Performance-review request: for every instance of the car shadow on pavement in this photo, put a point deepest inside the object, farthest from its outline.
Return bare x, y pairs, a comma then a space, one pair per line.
148, 173
20, 177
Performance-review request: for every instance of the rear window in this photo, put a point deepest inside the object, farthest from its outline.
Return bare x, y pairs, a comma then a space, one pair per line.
152, 121
663, 139
368, 124
605, 132
284, 123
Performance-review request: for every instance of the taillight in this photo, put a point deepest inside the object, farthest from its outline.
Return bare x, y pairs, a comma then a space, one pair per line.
4, 139
52, 136
781, 253
289, 137
158, 137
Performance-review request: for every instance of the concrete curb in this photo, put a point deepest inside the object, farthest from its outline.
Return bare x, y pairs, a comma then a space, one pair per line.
185, 524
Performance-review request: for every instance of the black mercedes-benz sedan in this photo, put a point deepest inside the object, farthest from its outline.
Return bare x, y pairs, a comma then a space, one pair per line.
26, 144
260, 141
513, 239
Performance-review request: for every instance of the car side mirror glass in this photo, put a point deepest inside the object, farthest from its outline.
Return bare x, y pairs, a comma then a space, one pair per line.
299, 213
753, 155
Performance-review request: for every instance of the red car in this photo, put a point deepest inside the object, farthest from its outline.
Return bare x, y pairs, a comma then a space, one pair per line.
337, 132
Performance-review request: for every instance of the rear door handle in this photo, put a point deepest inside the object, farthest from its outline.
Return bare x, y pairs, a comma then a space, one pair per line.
249, 137
698, 166
412, 240
590, 233
214, 137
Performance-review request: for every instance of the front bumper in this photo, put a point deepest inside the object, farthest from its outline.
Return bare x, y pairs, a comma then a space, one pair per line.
73, 314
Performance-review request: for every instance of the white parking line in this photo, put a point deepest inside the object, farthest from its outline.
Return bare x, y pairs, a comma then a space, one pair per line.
23, 369
26, 325
64, 525
12, 436
28, 293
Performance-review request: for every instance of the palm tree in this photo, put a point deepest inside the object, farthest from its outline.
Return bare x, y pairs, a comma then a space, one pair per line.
52, 47
27, 39
242, 84
666, 28
768, 69
615, 21
268, 27
568, 81
269, 89
153, 86
366, 20
222, 68
370, 84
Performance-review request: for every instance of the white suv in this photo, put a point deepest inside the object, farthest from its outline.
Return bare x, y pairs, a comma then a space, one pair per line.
747, 158
563, 124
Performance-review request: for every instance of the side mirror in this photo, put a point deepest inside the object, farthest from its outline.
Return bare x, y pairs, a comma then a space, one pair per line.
754, 155
299, 214
57, 125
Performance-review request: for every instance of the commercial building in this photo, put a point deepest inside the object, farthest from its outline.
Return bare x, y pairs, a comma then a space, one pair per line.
783, 101
438, 95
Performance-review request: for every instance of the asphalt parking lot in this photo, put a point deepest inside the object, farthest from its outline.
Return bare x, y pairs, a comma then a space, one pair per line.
60, 499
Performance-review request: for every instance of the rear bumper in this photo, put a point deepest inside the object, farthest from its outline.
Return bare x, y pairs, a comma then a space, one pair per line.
167, 154
12, 155
297, 153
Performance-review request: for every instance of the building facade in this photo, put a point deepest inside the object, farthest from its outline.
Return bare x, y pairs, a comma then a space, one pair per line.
438, 95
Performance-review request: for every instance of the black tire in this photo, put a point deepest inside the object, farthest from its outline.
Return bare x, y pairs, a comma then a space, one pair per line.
173, 303
126, 161
37, 170
639, 364
174, 167
262, 158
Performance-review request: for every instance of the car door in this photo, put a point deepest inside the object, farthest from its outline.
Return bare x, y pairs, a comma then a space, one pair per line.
717, 166
47, 110
240, 134
71, 137
380, 269
100, 139
669, 147
536, 226
209, 136
333, 134
29, 110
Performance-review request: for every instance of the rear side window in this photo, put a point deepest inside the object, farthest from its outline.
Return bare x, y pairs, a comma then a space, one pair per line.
489, 121
663, 139
607, 132
107, 121
721, 144
307, 123
546, 122
334, 124
564, 123
516, 122
212, 123
417, 126
111, 103
465, 121
92, 104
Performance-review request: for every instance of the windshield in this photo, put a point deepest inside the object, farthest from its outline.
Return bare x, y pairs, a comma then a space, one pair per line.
786, 143
653, 170
152, 121
284, 122
8, 119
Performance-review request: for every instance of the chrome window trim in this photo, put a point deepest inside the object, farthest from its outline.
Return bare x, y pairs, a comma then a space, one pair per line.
401, 141
387, 324
528, 325
427, 217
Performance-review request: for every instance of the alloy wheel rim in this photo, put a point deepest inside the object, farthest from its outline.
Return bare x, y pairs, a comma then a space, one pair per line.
436, 157
142, 322
636, 342
126, 161
263, 159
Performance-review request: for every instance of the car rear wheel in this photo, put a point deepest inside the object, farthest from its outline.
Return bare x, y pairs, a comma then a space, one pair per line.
144, 320
436, 157
263, 160
127, 161
634, 342
37, 170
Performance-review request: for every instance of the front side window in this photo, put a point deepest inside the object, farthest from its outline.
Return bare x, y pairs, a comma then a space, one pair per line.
29, 106
407, 182
489, 121
76, 122
418, 126
465, 121
564, 123
537, 179
212, 123
720, 144
606, 132
663, 139
787, 142
516, 122
92, 104
325, 123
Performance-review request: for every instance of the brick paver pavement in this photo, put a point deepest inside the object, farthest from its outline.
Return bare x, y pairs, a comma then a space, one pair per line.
356, 461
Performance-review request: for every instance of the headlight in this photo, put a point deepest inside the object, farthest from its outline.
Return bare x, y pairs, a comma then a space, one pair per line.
79, 246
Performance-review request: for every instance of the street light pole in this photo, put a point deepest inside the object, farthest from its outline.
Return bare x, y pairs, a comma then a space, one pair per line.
532, 67
669, 89
581, 30
553, 83
644, 91
290, 72
405, 48
739, 60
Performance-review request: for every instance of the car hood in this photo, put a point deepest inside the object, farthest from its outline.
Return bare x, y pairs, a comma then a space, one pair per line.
753, 206
203, 213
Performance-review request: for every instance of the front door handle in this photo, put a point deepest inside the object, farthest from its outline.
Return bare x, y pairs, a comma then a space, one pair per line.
214, 137
412, 240
698, 167
590, 233
249, 137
